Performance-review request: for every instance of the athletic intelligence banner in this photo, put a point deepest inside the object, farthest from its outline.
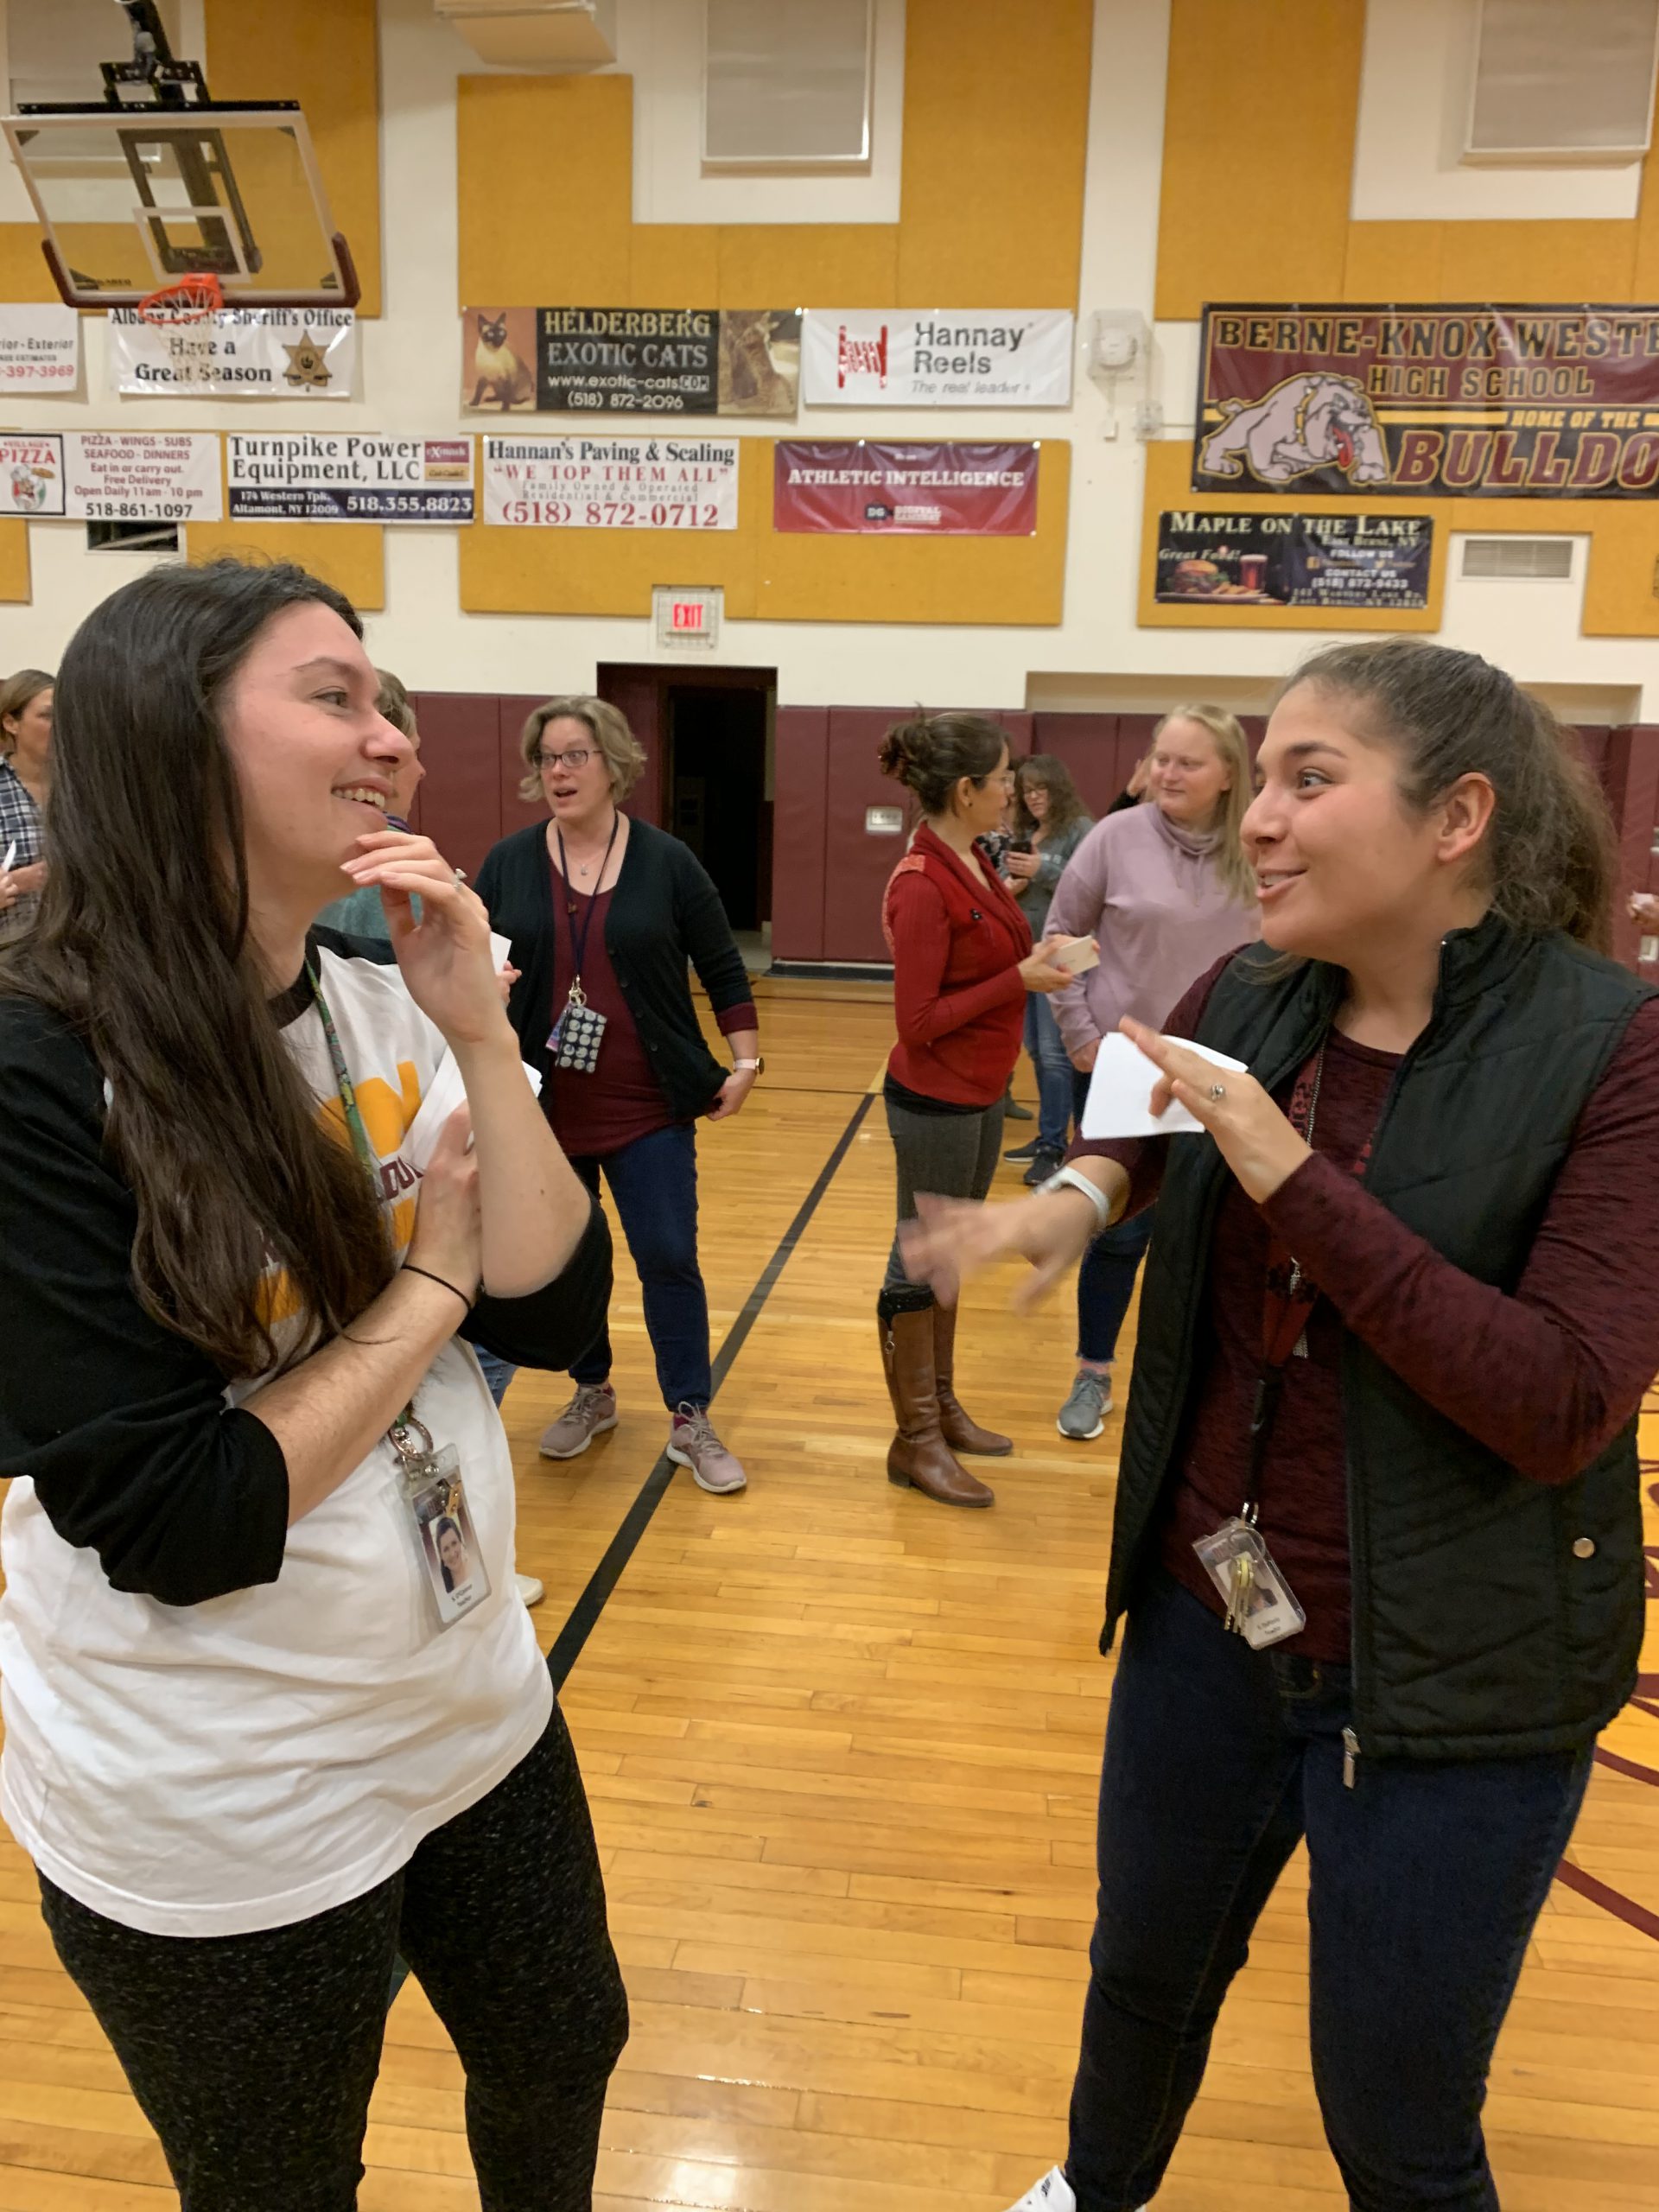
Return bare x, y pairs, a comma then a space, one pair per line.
1379, 559
866, 485
1527, 403
630, 361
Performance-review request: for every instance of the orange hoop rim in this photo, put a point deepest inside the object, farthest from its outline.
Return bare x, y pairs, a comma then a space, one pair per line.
193, 299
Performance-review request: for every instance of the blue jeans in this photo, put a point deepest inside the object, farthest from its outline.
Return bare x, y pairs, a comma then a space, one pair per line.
498, 1373
1054, 1072
1425, 1881
1106, 1278
654, 1187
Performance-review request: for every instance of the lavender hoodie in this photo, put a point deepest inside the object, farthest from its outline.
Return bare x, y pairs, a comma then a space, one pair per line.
1153, 895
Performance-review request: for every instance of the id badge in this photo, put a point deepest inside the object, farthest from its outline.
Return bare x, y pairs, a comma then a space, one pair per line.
441, 1525
576, 1037
1259, 1601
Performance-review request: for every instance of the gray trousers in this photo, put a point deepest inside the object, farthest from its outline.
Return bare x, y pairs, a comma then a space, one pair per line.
947, 1156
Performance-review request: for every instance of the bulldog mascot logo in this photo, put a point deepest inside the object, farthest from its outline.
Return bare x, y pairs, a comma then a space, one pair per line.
1312, 421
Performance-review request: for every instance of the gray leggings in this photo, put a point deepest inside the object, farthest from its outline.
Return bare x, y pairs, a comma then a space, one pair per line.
948, 1155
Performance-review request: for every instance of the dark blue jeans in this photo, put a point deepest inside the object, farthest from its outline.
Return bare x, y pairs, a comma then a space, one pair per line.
654, 1187
1106, 1278
1424, 1880
1054, 1072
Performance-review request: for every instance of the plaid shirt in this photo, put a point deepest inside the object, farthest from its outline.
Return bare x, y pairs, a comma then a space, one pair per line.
20, 820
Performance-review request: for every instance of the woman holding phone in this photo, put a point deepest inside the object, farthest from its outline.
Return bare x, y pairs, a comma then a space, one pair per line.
252, 1745
1379, 1530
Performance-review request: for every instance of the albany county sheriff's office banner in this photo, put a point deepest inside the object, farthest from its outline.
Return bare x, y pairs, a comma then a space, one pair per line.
867, 486
238, 353
1379, 559
337, 478
967, 357
611, 483
1491, 402
112, 476
630, 361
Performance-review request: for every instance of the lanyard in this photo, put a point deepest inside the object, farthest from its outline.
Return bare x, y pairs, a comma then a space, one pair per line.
579, 943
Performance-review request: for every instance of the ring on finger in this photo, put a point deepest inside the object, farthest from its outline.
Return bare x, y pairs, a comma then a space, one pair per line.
1217, 1091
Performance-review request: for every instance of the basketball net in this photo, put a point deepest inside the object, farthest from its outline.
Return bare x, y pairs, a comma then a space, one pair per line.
193, 299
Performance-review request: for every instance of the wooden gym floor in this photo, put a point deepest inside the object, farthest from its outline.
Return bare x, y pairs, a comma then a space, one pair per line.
841, 1749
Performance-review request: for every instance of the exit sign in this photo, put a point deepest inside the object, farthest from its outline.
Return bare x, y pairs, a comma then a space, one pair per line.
688, 618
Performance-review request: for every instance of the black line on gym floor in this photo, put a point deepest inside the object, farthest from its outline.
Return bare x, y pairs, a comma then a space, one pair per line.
605, 1577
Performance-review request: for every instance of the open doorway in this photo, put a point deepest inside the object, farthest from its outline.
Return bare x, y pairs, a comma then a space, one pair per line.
708, 734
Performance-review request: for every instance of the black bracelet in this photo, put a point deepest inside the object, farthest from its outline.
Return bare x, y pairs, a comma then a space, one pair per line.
410, 1268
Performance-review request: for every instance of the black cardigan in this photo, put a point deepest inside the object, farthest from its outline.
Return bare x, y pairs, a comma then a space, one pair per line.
663, 912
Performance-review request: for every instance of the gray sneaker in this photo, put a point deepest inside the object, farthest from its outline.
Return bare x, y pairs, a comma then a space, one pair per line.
1084, 1414
692, 1443
589, 1413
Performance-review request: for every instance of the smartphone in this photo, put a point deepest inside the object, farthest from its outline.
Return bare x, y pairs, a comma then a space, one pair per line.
1020, 844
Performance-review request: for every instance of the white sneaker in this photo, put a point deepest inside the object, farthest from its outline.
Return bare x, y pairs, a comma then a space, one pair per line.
1052, 2194
530, 1589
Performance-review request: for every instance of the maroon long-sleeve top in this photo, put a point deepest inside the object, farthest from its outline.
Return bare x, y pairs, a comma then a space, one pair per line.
1544, 1376
958, 997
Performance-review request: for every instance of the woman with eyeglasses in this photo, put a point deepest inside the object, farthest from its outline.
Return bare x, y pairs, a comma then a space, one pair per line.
604, 912
961, 965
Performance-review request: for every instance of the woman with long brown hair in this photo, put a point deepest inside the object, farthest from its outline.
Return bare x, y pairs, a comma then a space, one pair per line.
1050, 823
253, 1747
25, 780
1378, 1526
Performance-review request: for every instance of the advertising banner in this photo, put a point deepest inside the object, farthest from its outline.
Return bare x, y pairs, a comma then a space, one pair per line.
1490, 402
927, 491
339, 477
1378, 559
630, 361
238, 353
31, 474
968, 357
40, 349
142, 476
611, 483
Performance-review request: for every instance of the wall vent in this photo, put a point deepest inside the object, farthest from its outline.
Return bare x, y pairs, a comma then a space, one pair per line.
551, 35
1548, 559
1560, 83
787, 85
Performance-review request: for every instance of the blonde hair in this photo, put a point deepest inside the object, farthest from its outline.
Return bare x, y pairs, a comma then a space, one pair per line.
16, 694
618, 746
393, 705
1232, 864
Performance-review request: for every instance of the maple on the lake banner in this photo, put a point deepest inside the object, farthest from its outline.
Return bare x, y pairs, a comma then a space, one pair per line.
1478, 401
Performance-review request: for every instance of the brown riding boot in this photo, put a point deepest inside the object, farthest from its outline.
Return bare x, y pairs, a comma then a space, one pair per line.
959, 1429
917, 1457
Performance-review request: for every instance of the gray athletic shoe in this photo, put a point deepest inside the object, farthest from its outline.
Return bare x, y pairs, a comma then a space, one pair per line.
589, 1413
1084, 1414
692, 1443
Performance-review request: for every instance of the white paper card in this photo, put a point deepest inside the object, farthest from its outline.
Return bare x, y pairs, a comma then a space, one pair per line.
1120, 1091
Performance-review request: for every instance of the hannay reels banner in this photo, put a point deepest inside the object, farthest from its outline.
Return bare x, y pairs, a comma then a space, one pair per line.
1490, 402
631, 361
867, 485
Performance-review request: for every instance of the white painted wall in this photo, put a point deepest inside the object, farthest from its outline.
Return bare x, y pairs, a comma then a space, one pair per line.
1097, 656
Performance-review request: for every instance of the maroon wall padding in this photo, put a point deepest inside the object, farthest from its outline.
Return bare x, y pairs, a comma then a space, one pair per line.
459, 802
857, 864
639, 692
801, 760
1086, 745
515, 708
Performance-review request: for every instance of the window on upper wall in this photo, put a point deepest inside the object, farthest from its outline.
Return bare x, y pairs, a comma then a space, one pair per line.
55, 47
787, 86
1556, 83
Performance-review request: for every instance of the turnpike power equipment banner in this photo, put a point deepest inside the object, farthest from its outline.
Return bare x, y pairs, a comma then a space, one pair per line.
1480, 401
630, 361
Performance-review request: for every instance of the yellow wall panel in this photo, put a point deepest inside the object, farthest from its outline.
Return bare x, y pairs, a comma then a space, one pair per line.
808, 264
1396, 261
351, 556
1168, 485
23, 272
527, 571
565, 242
997, 123
1621, 589
671, 265
1283, 74
324, 54
14, 582
1536, 261
820, 577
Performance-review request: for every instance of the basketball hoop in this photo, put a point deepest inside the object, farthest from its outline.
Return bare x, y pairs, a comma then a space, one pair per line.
193, 299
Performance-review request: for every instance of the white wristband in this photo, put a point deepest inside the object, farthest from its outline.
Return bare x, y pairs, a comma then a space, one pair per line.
1067, 1179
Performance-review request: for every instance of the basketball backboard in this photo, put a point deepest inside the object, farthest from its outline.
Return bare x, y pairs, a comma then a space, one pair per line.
133, 199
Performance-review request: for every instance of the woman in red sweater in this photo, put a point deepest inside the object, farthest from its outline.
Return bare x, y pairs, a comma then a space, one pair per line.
961, 964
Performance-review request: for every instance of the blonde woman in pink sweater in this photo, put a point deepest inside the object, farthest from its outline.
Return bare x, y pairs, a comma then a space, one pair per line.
1166, 890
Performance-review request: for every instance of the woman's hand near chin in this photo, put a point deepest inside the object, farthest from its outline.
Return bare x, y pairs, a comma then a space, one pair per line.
444, 956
